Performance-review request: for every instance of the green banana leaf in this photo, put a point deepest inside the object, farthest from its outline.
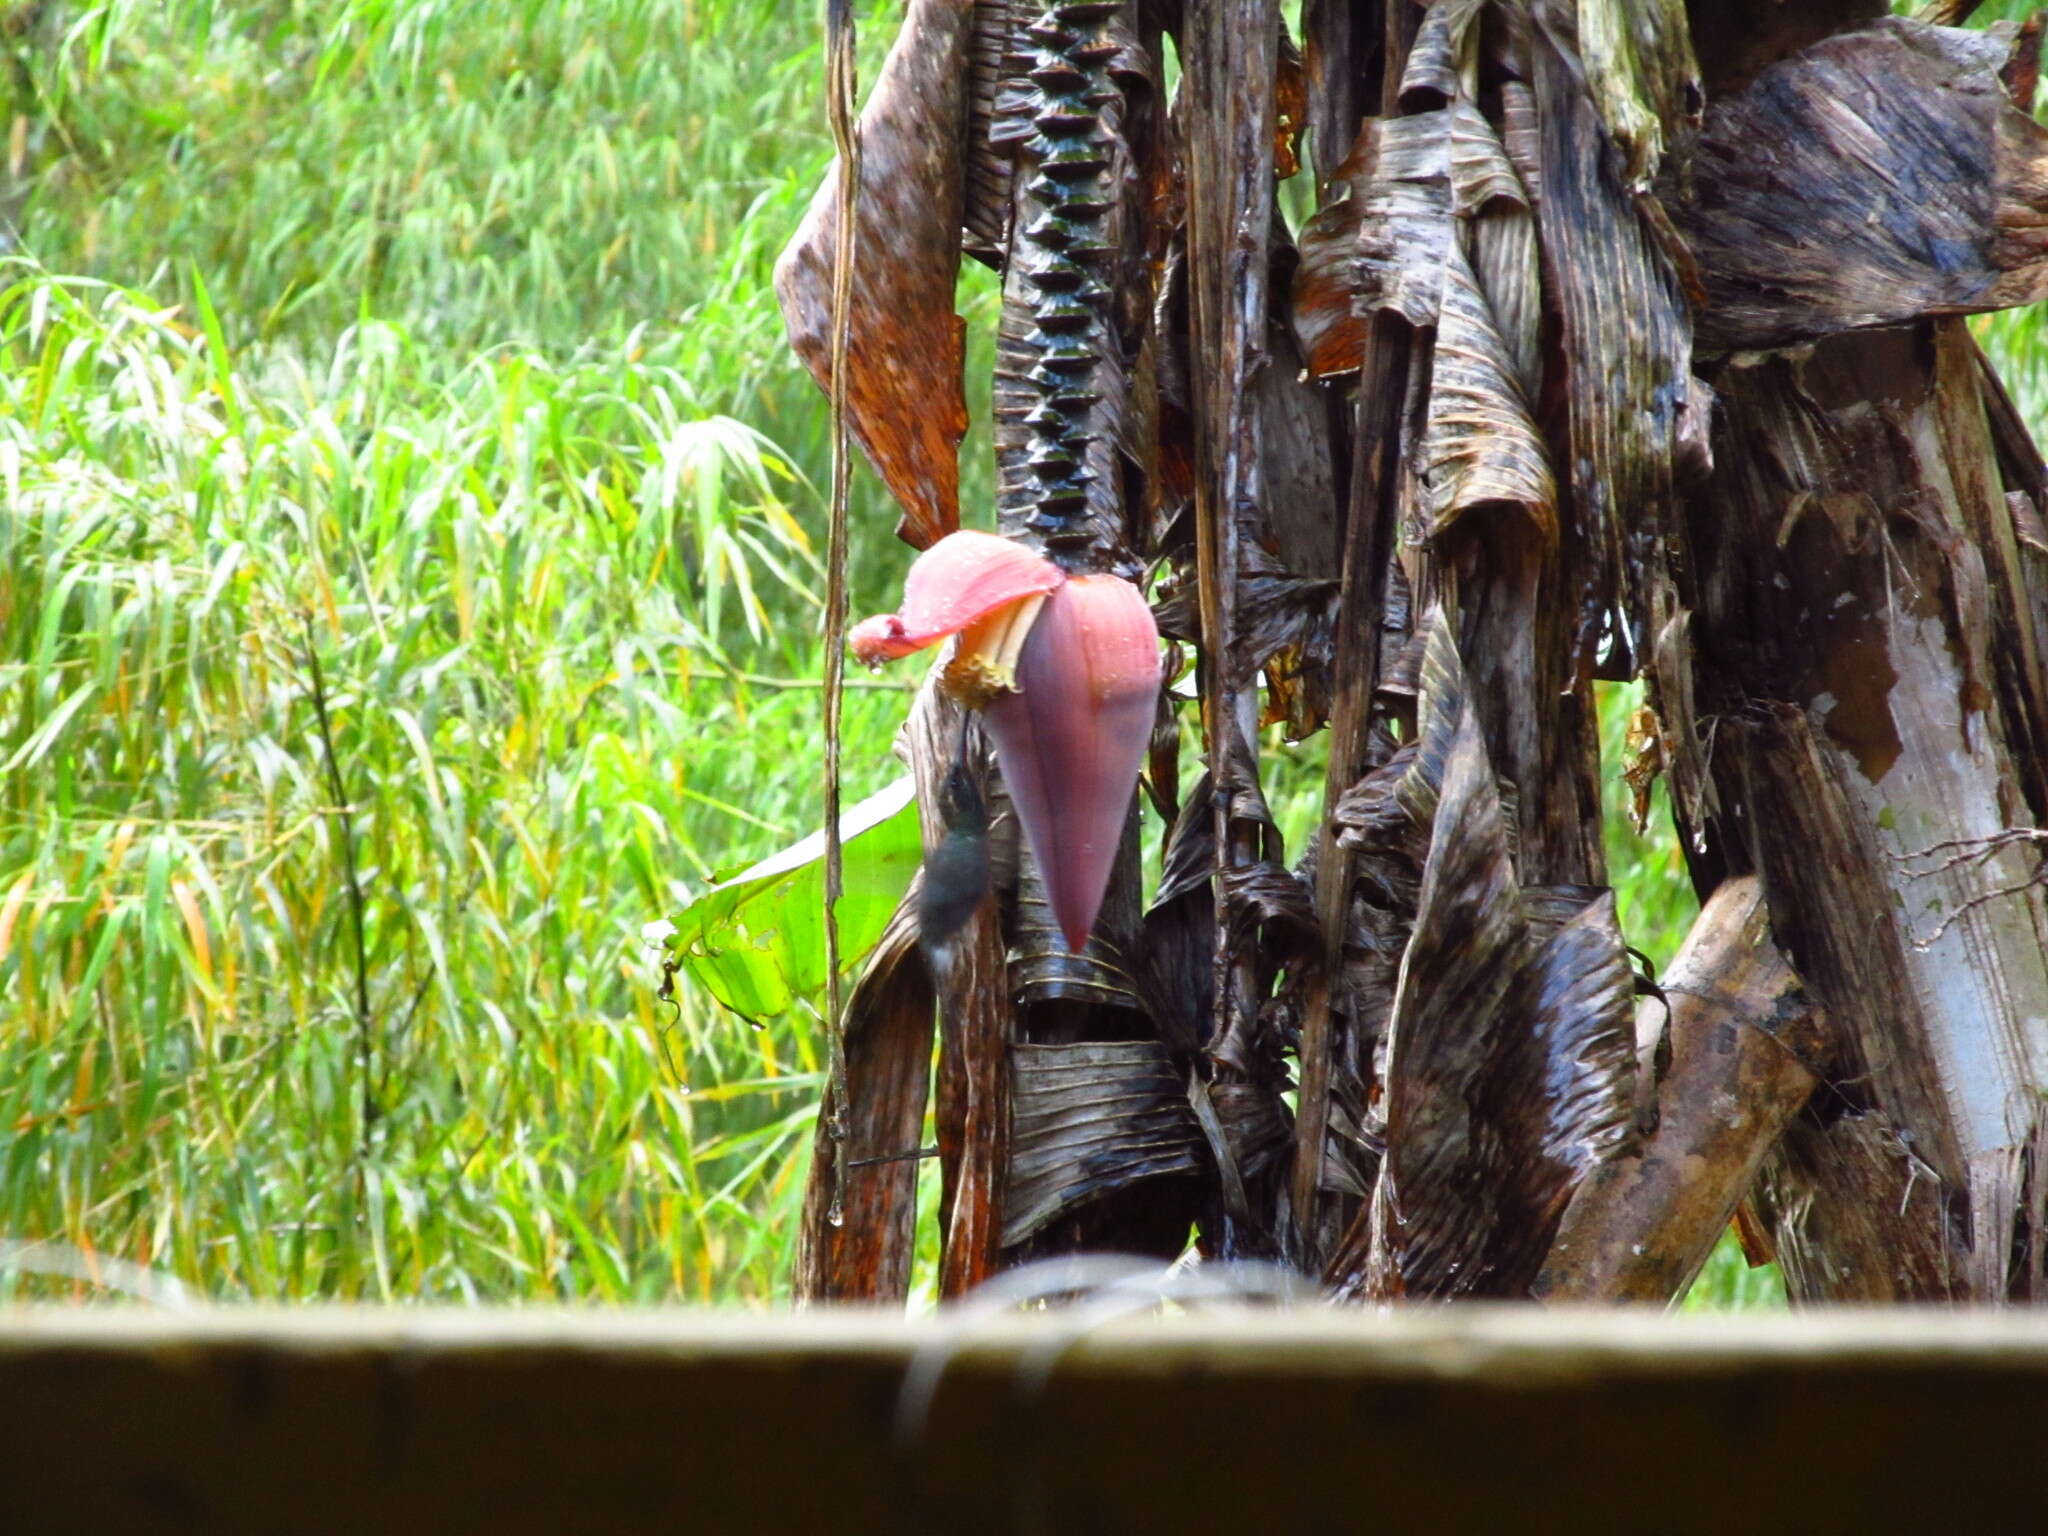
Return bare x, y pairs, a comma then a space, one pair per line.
756, 941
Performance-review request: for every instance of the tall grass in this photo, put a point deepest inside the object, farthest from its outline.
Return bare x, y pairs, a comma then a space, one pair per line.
394, 616
351, 734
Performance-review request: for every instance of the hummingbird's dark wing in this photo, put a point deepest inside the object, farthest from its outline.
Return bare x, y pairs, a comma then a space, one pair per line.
956, 871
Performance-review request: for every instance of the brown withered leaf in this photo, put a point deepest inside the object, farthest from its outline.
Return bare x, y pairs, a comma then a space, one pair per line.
1088, 1119
1878, 176
1626, 330
1490, 196
1287, 624
1290, 107
1643, 758
1573, 1033
1437, 59
905, 400
1339, 47
2021, 72
1177, 944
1480, 445
1331, 331
1377, 240
1255, 1125
1510, 1044
1386, 817
1405, 226
1480, 169
1442, 1180
1510, 1062
1042, 970
1299, 505
1240, 1113
1267, 895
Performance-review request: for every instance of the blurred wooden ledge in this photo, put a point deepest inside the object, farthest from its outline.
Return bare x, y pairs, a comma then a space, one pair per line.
1439, 1420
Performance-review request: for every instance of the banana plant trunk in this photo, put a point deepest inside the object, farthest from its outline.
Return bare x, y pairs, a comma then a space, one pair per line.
1622, 339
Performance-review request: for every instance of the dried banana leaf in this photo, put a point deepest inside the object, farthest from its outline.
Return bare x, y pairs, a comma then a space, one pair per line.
1480, 446
1335, 1037
1510, 1051
1297, 520
1340, 49
1230, 56
1625, 337
863, 1251
1287, 625
1489, 193
1088, 1119
1878, 176
1177, 947
1405, 229
1256, 1130
905, 400
1436, 60
1330, 328
1043, 970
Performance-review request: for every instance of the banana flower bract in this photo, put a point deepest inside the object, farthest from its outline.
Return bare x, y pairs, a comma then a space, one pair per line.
1065, 670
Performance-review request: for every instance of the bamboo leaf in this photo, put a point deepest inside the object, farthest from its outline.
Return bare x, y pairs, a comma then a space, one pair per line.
40, 740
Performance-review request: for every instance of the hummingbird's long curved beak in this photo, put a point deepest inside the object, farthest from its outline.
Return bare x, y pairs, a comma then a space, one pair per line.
1065, 670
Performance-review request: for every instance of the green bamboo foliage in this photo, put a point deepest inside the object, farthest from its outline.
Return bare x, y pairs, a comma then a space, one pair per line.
532, 741
443, 391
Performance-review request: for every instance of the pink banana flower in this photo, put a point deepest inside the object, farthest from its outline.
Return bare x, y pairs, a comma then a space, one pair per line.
1065, 670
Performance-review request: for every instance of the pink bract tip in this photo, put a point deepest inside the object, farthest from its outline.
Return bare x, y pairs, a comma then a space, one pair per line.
956, 581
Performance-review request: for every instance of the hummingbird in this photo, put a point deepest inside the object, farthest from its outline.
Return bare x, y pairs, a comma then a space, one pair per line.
956, 870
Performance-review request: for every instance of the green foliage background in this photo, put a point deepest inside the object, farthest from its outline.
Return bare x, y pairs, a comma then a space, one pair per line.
414, 362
